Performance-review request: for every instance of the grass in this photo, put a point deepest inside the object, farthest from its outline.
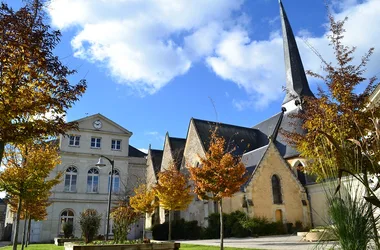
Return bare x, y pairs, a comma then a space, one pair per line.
183, 246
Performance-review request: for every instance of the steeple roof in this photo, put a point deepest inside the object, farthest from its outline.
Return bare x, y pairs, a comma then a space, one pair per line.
296, 81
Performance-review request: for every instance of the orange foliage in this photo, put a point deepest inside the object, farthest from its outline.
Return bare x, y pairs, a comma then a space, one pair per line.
220, 174
144, 200
173, 190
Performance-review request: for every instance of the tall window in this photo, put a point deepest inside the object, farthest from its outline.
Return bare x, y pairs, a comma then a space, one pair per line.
67, 215
71, 179
276, 190
116, 181
95, 142
92, 180
116, 144
74, 140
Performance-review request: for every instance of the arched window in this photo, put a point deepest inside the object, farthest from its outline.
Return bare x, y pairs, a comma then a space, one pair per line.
71, 179
92, 180
67, 215
276, 190
116, 181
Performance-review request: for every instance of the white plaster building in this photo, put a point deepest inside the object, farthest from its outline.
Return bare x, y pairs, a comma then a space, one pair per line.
86, 186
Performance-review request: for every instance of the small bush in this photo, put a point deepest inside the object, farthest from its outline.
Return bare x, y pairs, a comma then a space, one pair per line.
89, 222
181, 229
68, 229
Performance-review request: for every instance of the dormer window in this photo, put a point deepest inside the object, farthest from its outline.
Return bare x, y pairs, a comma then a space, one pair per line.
95, 142
74, 140
116, 144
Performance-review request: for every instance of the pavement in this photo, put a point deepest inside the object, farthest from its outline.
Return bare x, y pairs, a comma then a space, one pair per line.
265, 242
5, 243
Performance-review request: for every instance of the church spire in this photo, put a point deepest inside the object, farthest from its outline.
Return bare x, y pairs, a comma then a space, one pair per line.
296, 81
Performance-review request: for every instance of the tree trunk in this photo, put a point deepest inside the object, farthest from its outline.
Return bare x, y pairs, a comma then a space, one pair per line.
24, 231
144, 218
170, 225
2, 146
17, 222
221, 223
29, 227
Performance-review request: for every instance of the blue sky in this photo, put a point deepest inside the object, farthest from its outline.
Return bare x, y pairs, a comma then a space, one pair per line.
151, 65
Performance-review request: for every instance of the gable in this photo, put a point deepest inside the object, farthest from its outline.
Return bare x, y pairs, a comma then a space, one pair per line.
272, 163
106, 125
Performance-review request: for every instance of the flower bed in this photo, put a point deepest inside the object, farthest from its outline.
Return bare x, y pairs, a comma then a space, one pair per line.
140, 246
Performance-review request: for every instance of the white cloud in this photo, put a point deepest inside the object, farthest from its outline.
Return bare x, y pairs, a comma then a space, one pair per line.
144, 44
258, 67
144, 150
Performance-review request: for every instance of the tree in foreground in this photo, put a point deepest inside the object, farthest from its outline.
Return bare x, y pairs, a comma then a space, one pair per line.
342, 129
123, 217
219, 175
89, 222
173, 192
33, 80
144, 201
26, 175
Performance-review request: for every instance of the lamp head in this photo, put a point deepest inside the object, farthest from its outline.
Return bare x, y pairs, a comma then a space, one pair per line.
100, 163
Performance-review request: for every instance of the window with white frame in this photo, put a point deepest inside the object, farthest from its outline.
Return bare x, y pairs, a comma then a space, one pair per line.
74, 140
95, 142
71, 179
115, 182
92, 180
67, 216
116, 144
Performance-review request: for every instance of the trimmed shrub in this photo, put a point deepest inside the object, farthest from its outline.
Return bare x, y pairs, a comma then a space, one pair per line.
89, 222
68, 229
181, 229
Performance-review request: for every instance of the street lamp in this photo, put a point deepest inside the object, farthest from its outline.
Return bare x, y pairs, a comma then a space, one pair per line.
102, 164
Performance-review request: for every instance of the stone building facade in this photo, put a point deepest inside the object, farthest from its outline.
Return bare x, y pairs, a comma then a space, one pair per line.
86, 186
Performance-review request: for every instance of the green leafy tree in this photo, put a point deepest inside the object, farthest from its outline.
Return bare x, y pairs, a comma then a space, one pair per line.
89, 222
219, 175
33, 81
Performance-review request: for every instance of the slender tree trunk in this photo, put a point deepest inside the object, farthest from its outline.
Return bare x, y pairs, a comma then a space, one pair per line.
170, 225
17, 222
2, 146
144, 219
29, 227
221, 223
24, 231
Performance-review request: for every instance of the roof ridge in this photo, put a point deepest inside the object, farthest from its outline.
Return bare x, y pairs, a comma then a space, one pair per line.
225, 124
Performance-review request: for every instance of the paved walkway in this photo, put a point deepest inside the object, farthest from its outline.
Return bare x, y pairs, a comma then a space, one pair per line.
4, 243
268, 242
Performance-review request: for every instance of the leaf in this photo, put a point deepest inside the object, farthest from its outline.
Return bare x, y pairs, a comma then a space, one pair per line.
373, 200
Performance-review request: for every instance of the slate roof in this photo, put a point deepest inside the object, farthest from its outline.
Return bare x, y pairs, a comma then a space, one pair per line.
251, 160
134, 152
177, 146
156, 156
288, 123
241, 138
296, 81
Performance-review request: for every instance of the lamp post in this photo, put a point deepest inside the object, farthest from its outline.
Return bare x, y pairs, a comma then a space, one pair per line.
102, 164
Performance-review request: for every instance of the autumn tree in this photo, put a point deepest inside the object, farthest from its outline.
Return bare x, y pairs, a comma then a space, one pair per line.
144, 201
342, 129
26, 174
219, 175
123, 215
33, 81
173, 192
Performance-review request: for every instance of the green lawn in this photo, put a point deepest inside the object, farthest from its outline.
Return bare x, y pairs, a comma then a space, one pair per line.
183, 246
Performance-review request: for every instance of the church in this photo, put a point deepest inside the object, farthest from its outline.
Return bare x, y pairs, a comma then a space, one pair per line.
276, 188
